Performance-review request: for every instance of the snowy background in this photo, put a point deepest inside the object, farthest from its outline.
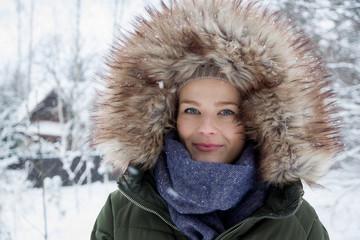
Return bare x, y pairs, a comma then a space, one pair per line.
60, 45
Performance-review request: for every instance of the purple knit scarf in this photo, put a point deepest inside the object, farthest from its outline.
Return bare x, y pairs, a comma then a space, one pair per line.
205, 198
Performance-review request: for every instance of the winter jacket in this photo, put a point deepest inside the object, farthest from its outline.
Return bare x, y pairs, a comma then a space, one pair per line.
287, 108
136, 211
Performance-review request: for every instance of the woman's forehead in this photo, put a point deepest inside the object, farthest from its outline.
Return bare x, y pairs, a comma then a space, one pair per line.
216, 91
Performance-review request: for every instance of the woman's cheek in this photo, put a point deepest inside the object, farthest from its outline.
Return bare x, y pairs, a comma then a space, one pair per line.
181, 128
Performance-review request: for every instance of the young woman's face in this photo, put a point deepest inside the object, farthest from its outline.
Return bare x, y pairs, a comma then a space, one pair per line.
206, 121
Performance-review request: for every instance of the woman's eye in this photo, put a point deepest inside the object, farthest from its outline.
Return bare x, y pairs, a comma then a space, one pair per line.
191, 111
226, 112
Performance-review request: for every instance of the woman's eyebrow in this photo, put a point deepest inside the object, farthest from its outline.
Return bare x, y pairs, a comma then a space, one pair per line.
191, 102
220, 104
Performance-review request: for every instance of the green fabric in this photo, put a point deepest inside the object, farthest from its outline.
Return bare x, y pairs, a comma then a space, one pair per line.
121, 218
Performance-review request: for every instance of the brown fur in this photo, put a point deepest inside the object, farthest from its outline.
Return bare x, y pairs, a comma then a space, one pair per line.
285, 109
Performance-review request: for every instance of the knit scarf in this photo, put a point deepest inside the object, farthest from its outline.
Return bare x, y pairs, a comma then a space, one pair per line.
206, 198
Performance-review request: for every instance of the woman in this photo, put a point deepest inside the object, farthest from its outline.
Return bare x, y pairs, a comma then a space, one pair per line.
213, 112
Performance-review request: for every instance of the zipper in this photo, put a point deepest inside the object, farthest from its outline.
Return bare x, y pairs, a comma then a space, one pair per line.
148, 209
235, 229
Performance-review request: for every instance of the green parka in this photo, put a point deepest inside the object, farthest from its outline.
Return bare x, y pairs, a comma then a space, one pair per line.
136, 211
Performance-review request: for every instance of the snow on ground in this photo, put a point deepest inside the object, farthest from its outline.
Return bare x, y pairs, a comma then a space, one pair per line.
71, 211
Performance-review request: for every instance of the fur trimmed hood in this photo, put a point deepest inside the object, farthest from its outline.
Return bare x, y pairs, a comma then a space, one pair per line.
287, 105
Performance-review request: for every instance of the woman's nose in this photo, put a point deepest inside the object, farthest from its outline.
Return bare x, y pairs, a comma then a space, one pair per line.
207, 126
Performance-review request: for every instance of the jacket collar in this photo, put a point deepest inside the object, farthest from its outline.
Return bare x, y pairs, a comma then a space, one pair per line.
141, 188
280, 202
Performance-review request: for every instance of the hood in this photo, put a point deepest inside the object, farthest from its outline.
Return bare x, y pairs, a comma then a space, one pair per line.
287, 105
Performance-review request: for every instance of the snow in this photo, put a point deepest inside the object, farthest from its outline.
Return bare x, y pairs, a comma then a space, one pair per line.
161, 84
71, 211
47, 128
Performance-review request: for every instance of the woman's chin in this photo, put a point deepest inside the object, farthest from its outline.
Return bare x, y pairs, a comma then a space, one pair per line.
208, 159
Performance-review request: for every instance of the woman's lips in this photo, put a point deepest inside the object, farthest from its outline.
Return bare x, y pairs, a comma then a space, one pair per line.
207, 147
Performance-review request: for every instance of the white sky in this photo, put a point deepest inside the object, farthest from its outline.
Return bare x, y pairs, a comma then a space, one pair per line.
57, 19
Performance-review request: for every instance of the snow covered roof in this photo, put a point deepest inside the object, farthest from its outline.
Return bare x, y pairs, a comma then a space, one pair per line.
36, 97
46, 128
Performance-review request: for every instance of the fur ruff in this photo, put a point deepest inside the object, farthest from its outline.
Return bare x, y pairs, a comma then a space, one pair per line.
287, 107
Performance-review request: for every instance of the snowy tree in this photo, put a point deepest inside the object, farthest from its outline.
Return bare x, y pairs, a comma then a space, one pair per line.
334, 26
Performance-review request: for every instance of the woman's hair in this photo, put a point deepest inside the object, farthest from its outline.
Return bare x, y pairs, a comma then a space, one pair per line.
204, 71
